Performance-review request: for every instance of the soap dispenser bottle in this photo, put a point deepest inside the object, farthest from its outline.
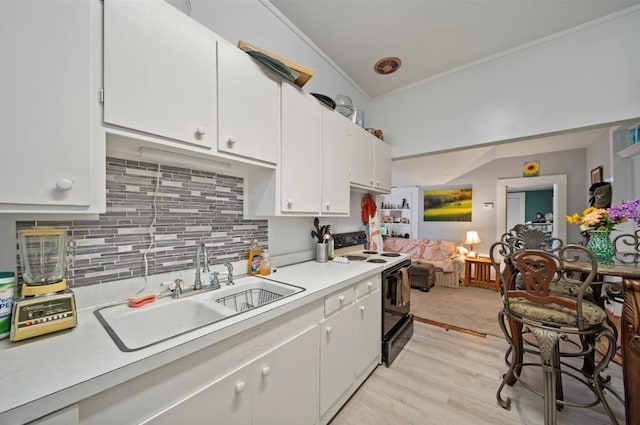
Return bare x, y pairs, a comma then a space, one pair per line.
265, 265
255, 252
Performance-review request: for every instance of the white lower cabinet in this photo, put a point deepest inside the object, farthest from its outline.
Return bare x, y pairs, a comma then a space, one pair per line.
285, 388
368, 326
350, 343
255, 393
337, 356
66, 416
228, 400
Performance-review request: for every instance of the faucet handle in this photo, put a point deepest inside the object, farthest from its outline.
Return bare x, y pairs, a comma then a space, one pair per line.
176, 287
229, 267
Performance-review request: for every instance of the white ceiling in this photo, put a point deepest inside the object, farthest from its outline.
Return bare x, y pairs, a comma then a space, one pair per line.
431, 37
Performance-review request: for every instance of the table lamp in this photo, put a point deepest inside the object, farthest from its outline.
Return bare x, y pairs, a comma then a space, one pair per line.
472, 238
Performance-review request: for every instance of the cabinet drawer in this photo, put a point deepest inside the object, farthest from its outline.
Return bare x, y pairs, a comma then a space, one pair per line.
335, 302
367, 286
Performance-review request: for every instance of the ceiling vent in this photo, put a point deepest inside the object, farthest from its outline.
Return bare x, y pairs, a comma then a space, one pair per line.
386, 66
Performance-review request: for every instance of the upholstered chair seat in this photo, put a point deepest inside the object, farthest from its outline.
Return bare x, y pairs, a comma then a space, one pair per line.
554, 314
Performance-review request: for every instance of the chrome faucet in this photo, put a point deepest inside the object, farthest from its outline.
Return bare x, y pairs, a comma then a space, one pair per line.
202, 251
229, 267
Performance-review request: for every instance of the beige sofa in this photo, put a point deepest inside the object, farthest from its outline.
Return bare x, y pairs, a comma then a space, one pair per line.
445, 256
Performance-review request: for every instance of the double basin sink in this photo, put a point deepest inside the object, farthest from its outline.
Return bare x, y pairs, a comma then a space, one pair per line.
136, 328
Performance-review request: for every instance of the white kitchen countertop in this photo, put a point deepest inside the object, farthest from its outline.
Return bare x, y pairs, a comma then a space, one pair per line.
50, 372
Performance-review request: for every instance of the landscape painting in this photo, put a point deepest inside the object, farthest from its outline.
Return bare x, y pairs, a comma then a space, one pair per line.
448, 203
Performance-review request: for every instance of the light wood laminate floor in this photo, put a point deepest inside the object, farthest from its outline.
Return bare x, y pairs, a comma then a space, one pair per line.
448, 377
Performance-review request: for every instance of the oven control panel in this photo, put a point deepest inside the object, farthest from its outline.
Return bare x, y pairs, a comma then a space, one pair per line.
343, 240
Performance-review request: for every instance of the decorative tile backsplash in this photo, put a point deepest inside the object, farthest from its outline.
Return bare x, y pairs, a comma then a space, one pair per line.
191, 207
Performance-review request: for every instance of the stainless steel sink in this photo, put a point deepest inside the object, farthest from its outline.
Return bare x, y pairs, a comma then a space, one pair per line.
136, 328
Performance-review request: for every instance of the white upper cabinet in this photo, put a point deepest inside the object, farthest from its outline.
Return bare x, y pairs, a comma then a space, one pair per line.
300, 177
370, 162
382, 168
52, 149
249, 107
361, 158
159, 72
336, 159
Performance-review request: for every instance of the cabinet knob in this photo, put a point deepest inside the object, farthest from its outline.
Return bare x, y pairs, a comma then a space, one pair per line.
328, 205
371, 182
64, 185
240, 387
329, 330
341, 299
231, 142
370, 285
289, 202
362, 308
377, 183
200, 131
266, 371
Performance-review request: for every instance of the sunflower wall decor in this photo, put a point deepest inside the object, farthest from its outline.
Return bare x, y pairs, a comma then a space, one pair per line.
531, 169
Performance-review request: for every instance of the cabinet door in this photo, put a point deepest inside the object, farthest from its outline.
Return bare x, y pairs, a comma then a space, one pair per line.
337, 357
225, 401
286, 383
249, 107
361, 157
336, 160
159, 72
382, 157
301, 151
368, 331
45, 102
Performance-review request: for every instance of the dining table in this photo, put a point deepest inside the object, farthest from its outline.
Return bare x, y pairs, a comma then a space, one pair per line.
630, 323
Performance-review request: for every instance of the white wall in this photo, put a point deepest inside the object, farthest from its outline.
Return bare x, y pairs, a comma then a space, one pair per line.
483, 178
584, 78
252, 21
599, 154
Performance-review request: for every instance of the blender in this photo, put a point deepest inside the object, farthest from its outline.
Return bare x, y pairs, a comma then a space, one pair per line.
44, 303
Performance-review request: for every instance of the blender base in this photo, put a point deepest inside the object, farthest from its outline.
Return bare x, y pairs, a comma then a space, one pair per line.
43, 314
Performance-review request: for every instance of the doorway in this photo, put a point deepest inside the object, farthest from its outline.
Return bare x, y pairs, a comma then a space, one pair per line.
559, 185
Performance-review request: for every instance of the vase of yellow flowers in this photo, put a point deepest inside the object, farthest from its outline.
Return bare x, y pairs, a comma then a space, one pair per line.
599, 222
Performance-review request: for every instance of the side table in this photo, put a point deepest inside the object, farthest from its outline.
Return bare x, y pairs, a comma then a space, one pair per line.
477, 272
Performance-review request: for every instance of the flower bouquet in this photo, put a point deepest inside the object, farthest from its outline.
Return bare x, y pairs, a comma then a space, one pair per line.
606, 218
599, 222
594, 219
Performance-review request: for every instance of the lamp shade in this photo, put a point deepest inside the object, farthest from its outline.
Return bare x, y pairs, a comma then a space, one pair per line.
472, 238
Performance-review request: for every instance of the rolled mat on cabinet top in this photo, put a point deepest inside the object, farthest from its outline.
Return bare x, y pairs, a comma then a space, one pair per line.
305, 72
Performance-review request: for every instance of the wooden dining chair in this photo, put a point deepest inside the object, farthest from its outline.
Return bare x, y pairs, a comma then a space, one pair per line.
552, 318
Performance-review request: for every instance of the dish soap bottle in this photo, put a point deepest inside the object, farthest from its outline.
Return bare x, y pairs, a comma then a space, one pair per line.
265, 265
255, 250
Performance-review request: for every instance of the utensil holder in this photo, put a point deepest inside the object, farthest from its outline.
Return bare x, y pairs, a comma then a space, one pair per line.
322, 253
